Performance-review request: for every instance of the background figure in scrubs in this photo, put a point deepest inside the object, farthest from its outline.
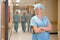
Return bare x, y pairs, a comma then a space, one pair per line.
16, 21
29, 18
23, 21
40, 24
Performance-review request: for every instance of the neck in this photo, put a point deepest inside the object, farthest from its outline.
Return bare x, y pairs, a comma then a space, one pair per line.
40, 16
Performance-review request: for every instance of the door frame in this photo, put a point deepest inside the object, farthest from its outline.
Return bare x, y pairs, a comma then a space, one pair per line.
0, 22
6, 19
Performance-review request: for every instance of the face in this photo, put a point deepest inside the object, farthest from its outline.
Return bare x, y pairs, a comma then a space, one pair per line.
23, 13
39, 11
16, 12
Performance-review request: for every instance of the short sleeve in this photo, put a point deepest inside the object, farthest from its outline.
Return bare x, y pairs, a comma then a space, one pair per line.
33, 22
48, 21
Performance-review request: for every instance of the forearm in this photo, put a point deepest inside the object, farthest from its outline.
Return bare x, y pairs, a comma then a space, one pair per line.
37, 30
48, 28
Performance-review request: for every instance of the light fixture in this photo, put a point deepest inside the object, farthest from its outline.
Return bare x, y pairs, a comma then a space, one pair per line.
17, 0
17, 4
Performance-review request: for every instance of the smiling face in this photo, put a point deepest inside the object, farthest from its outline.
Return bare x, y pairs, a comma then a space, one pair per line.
38, 11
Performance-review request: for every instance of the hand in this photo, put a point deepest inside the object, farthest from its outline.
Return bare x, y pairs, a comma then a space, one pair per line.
43, 29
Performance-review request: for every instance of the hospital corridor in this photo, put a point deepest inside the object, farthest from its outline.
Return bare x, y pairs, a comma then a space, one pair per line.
16, 18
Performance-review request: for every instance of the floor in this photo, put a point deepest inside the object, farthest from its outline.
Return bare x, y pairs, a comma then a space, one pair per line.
26, 35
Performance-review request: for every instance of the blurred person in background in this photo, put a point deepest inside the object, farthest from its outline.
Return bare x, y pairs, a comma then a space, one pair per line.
16, 21
29, 18
23, 21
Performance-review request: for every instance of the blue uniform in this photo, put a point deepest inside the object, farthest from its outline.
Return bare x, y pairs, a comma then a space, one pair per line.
29, 18
23, 17
16, 19
36, 21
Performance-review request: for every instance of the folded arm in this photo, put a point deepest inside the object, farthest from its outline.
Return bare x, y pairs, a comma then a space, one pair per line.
37, 30
48, 28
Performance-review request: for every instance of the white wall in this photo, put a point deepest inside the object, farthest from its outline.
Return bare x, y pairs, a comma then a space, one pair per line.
58, 19
51, 10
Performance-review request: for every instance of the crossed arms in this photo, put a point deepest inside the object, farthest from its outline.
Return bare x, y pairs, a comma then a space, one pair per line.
42, 29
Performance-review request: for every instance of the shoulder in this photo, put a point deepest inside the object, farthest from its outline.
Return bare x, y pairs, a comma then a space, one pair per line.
18, 14
22, 16
34, 17
45, 17
14, 15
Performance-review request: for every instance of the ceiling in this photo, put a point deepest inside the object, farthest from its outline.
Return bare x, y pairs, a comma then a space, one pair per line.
24, 2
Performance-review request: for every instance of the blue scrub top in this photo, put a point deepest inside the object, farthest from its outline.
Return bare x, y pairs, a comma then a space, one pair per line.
23, 17
37, 22
16, 18
29, 17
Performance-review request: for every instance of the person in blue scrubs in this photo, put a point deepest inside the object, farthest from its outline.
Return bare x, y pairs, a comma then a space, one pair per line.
29, 18
16, 21
23, 21
40, 24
